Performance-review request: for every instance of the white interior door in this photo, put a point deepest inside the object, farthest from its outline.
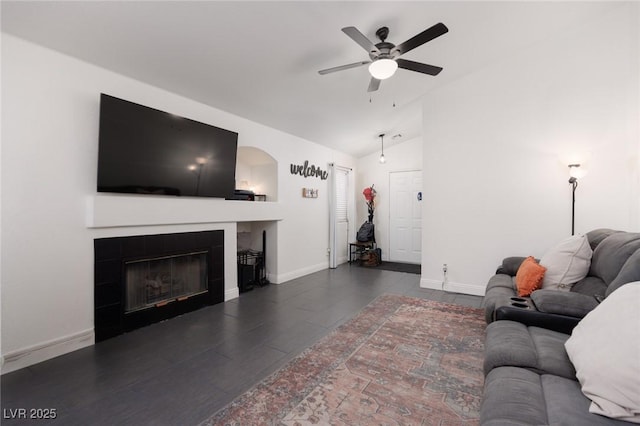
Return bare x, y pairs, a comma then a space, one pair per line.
405, 222
339, 216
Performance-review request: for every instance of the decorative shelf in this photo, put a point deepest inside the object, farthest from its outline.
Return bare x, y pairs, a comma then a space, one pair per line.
110, 210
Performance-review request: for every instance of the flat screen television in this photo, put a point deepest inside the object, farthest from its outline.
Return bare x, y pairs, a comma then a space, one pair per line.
146, 151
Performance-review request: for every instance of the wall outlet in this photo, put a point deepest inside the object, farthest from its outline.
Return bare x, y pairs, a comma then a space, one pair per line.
445, 268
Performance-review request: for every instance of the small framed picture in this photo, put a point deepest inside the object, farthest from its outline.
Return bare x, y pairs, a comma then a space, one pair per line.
309, 193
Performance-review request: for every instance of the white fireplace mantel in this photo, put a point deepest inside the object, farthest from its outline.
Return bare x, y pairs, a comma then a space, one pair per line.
109, 211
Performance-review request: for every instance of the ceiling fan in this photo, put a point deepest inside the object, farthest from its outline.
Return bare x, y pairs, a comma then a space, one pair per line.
385, 56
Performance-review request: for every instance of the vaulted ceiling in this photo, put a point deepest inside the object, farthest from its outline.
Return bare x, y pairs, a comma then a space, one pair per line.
259, 60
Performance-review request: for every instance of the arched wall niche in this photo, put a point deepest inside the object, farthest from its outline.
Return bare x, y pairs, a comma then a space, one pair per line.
257, 170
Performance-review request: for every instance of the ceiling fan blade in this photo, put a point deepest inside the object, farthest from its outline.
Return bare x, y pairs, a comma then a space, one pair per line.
374, 84
427, 35
343, 67
359, 38
418, 67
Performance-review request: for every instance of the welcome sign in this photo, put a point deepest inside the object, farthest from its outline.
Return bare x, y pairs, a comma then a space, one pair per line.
309, 171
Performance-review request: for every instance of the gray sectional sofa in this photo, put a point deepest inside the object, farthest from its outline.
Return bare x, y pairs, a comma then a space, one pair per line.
615, 261
529, 377
529, 380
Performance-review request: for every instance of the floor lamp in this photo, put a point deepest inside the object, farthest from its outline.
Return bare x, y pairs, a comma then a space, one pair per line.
573, 180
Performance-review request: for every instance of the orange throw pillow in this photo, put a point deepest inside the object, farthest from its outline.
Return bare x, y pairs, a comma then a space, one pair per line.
529, 276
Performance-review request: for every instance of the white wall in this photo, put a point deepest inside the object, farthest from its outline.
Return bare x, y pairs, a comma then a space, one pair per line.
497, 143
50, 109
405, 156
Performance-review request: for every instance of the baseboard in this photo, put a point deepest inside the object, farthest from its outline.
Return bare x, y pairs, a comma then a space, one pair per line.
233, 293
282, 278
452, 287
22, 358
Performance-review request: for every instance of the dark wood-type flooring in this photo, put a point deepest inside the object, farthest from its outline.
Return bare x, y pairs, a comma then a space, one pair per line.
181, 371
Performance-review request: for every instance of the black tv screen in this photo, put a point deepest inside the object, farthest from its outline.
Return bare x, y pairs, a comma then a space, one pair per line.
146, 151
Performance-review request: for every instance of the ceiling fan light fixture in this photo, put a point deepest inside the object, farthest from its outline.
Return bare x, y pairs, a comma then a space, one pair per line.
382, 69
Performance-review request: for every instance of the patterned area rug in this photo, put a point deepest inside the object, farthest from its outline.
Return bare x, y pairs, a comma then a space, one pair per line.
400, 361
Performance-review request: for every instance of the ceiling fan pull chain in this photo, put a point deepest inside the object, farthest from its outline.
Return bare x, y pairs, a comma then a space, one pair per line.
393, 87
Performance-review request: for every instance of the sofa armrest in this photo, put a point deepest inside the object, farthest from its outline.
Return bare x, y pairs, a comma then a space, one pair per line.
563, 303
531, 317
510, 265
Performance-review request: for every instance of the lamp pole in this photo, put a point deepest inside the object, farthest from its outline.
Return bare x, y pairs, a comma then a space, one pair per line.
573, 180
574, 183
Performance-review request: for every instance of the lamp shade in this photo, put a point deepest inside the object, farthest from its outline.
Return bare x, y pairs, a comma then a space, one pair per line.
383, 68
576, 172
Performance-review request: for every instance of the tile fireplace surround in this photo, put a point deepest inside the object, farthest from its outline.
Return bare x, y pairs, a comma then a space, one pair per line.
111, 255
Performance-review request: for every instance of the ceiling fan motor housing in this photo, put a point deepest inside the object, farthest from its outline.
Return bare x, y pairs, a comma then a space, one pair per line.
384, 48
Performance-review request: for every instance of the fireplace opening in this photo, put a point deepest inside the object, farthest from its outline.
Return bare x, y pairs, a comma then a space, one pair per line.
158, 281
144, 279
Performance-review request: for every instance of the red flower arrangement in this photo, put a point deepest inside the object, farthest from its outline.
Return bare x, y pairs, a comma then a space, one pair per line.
370, 197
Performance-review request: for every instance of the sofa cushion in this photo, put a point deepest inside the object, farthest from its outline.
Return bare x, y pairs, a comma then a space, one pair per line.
630, 272
596, 236
507, 343
529, 276
512, 396
567, 405
590, 286
605, 349
552, 356
510, 343
612, 253
567, 263
515, 396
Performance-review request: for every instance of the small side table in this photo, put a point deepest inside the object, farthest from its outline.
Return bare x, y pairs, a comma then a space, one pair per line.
357, 248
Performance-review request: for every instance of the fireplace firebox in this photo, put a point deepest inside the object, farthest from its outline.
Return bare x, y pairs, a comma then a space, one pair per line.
158, 281
140, 280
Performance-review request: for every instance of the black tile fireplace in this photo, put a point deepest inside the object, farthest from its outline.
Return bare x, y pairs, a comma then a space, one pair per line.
144, 279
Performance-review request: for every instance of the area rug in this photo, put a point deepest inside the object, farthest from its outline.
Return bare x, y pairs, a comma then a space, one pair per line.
400, 361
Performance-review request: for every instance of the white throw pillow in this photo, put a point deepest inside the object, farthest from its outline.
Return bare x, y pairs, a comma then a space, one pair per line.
605, 351
566, 263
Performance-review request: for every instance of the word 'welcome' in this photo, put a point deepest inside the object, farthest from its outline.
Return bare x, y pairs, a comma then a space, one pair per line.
306, 171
